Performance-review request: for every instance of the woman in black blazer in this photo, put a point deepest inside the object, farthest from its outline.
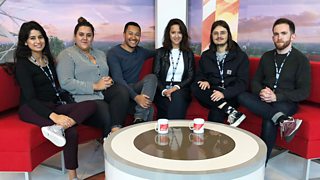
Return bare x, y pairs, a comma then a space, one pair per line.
174, 68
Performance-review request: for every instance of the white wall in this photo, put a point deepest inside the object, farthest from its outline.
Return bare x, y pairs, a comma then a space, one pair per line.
166, 10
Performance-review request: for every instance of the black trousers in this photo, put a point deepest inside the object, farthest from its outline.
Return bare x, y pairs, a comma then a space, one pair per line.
112, 110
203, 96
77, 111
267, 111
177, 107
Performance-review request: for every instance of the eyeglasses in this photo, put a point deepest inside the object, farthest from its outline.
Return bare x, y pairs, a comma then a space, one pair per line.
221, 33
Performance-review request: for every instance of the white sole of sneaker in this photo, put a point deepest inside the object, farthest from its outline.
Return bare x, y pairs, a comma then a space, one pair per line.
239, 121
55, 139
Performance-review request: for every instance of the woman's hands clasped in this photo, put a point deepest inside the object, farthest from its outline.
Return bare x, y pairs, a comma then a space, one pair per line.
104, 83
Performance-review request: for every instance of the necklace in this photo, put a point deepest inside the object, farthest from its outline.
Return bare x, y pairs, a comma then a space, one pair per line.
42, 59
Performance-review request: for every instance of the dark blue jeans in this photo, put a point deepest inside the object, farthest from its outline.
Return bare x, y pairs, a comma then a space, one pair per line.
267, 112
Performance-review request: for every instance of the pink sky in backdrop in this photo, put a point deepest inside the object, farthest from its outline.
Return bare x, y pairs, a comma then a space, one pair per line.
109, 16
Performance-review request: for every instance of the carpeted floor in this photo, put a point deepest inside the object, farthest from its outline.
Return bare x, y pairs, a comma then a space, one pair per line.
99, 176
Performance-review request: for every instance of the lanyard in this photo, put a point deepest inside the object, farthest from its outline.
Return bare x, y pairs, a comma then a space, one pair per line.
174, 66
279, 69
50, 77
221, 67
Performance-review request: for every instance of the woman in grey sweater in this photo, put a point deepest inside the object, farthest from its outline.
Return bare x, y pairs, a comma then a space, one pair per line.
84, 72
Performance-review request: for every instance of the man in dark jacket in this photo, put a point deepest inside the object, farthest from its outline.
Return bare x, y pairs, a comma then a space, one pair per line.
223, 74
281, 81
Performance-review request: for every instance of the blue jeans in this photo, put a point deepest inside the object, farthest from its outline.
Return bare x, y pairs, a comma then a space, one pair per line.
147, 86
268, 112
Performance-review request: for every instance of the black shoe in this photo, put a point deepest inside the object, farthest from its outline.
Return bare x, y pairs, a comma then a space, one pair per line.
138, 120
236, 118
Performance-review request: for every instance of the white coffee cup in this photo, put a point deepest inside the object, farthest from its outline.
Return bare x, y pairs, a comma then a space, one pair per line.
162, 126
196, 139
162, 139
197, 125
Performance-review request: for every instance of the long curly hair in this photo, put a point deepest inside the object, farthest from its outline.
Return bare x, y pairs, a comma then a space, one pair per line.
184, 45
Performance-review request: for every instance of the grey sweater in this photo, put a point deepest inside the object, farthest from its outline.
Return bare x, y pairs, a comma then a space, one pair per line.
76, 73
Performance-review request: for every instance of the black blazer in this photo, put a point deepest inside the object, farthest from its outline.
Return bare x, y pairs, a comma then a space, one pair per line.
161, 66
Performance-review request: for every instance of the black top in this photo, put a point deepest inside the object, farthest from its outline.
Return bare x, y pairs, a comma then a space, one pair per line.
35, 87
162, 63
295, 78
235, 71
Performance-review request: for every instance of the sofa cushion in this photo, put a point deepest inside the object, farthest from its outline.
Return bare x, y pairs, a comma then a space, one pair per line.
146, 68
21, 135
310, 126
9, 91
24, 136
195, 110
315, 81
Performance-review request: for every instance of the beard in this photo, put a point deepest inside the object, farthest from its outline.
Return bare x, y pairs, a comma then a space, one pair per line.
221, 44
283, 46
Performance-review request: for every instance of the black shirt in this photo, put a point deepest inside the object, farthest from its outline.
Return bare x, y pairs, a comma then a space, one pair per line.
36, 88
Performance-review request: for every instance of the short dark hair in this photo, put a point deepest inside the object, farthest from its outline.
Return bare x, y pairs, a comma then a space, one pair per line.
131, 23
285, 21
230, 42
22, 51
184, 45
83, 22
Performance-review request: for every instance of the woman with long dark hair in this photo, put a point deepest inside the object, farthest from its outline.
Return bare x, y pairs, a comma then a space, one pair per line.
40, 101
174, 68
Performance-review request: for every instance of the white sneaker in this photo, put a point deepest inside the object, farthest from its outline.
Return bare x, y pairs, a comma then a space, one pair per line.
55, 134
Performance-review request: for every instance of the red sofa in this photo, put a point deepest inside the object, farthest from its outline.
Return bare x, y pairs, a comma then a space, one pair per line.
22, 145
306, 143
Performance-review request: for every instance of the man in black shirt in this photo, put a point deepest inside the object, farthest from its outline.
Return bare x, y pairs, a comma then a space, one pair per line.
281, 81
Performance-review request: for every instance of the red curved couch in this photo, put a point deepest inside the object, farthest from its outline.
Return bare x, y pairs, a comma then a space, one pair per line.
306, 143
22, 145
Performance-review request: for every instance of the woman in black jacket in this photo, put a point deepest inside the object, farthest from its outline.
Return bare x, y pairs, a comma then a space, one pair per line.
40, 101
174, 68
223, 75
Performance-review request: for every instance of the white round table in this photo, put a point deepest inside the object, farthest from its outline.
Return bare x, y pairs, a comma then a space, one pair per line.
222, 152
